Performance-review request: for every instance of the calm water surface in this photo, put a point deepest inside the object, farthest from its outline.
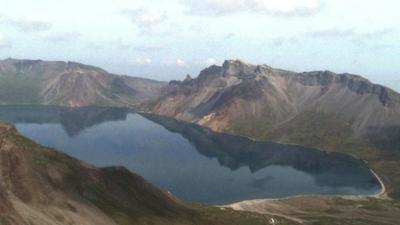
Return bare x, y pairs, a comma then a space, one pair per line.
193, 163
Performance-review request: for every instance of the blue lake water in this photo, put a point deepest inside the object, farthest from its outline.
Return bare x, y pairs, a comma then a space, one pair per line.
193, 163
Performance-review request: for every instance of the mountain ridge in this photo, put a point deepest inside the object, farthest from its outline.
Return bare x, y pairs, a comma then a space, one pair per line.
219, 97
222, 97
70, 84
332, 112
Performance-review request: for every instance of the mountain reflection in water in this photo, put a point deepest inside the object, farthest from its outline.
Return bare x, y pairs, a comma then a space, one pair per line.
192, 162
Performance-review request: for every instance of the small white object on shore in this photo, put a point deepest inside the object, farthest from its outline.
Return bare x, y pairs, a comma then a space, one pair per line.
272, 221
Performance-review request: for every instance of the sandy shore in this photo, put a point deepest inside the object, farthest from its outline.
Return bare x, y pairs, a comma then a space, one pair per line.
259, 205
382, 193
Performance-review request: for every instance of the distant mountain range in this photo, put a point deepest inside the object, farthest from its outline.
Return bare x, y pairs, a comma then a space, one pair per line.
70, 84
251, 100
334, 112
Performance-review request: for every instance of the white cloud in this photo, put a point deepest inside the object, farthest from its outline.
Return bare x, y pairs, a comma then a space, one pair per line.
149, 48
2, 39
351, 32
280, 41
63, 37
211, 61
275, 7
380, 33
4, 42
332, 33
145, 19
181, 63
141, 61
229, 35
26, 25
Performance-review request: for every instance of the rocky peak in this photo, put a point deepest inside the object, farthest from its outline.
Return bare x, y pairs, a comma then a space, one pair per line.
188, 77
244, 70
237, 67
230, 68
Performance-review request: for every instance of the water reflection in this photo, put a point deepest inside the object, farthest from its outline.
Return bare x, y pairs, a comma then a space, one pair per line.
330, 169
194, 163
73, 120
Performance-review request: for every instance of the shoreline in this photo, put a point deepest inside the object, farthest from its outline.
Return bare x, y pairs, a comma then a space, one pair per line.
382, 194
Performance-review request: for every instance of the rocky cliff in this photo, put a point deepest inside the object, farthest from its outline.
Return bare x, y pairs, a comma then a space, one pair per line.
267, 103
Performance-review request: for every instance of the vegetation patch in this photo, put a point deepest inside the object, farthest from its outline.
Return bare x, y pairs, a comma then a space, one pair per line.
18, 89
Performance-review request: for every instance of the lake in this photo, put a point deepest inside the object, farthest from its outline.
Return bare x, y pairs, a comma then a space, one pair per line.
192, 162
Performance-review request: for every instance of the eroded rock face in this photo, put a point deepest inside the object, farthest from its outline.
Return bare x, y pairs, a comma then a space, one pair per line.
255, 100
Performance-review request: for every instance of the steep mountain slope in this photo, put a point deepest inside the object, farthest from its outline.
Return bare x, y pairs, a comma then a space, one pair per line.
267, 103
70, 84
40, 186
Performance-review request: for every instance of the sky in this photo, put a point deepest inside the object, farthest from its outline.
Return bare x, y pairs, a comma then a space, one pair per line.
166, 40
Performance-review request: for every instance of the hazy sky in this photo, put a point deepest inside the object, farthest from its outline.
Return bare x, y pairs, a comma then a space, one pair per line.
166, 39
